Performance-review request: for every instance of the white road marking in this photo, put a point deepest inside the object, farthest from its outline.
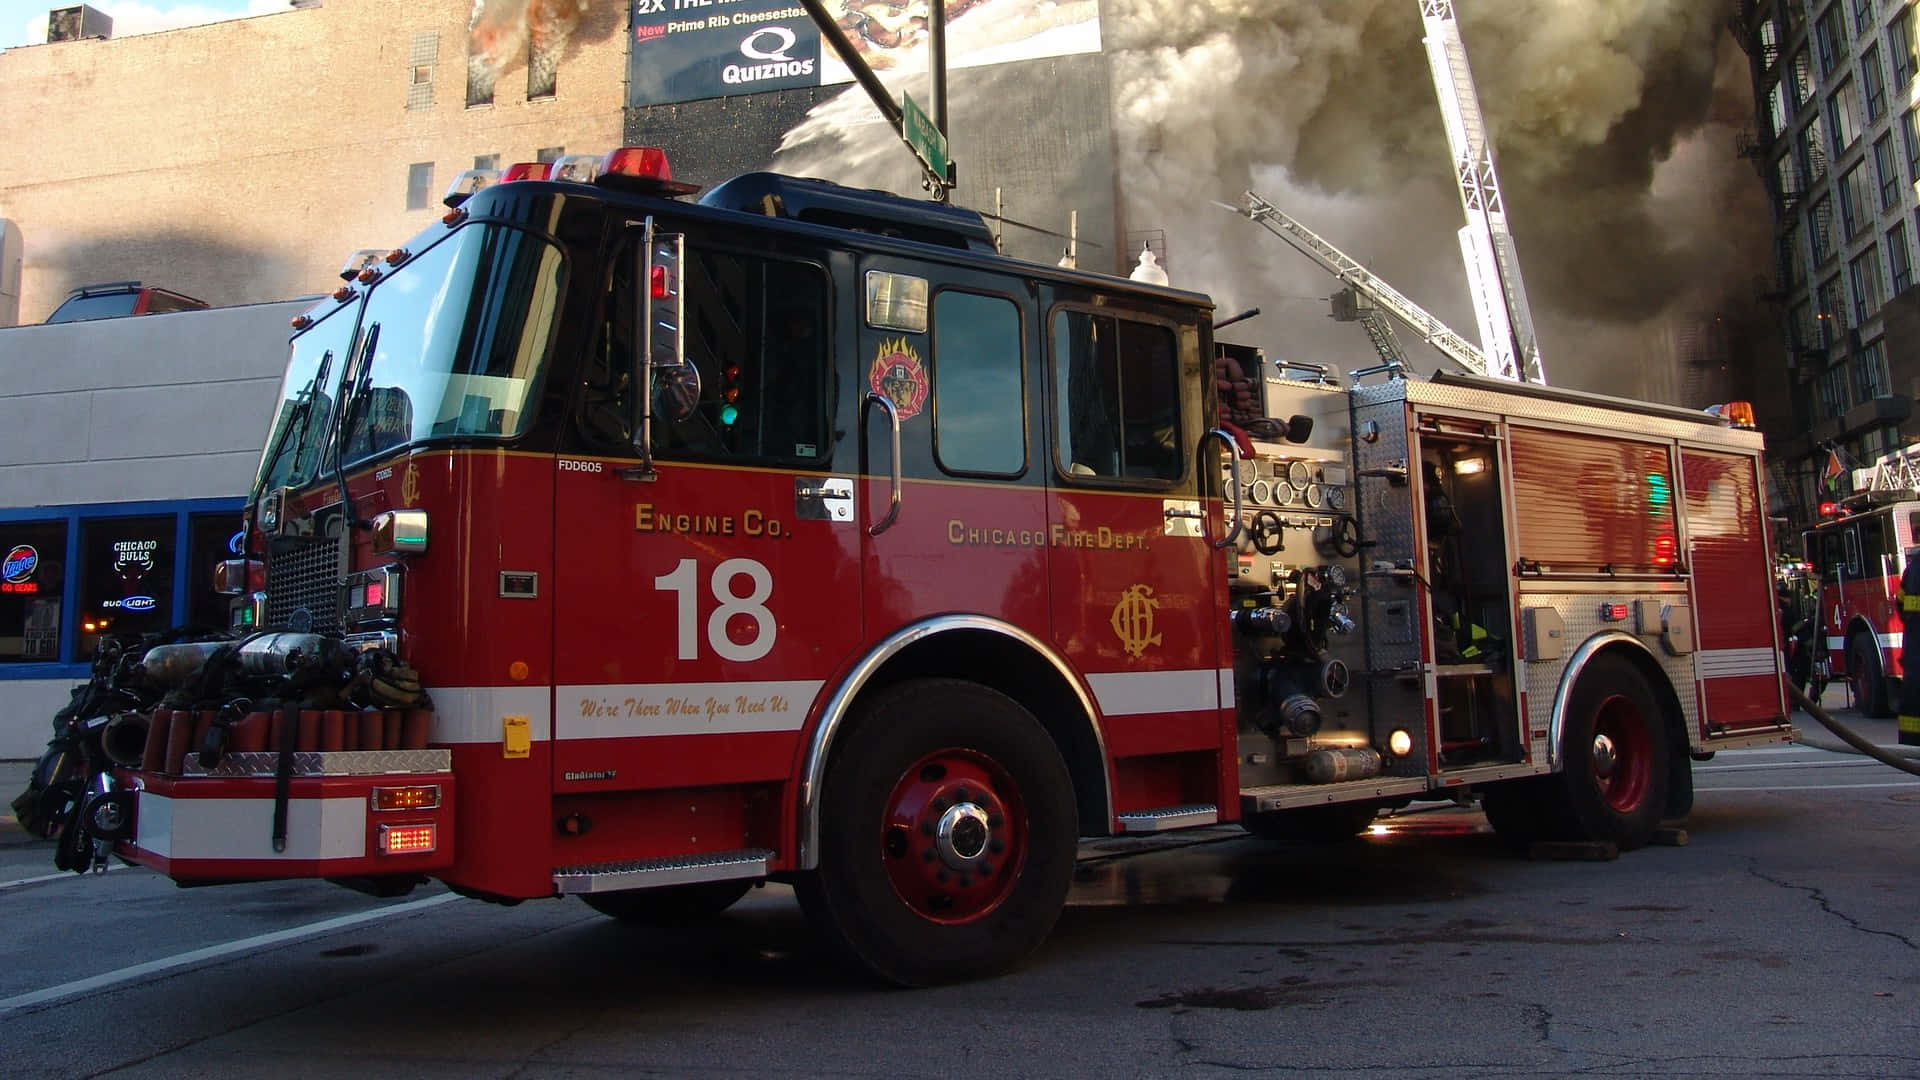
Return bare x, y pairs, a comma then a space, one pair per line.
1792, 787
65, 875
1855, 763
214, 952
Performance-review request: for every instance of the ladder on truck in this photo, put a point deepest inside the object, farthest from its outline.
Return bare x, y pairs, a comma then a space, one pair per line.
1895, 471
1365, 283
1486, 244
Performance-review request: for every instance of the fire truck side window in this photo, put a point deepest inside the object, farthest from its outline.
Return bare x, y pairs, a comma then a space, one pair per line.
1116, 398
977, 386
1873, 548
756, 329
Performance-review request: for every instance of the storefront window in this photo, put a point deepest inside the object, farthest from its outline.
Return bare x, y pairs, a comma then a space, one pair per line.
211, 538
31, 579
126, 579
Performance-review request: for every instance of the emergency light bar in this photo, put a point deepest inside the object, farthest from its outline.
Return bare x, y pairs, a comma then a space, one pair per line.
1736, 413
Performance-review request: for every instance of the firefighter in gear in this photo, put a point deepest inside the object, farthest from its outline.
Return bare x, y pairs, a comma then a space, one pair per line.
1909, 653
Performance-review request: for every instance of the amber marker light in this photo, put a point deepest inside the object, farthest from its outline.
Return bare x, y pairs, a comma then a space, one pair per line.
407, 839
417, 797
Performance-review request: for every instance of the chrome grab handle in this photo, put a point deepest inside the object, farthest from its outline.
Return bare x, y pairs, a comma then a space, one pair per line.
893, 418
1236, 495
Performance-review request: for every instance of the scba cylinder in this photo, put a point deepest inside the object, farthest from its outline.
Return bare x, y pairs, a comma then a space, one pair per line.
1332, 765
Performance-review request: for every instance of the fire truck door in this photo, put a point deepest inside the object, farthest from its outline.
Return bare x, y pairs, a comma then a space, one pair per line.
1738, 657
1138, 591
701, 612
944, 357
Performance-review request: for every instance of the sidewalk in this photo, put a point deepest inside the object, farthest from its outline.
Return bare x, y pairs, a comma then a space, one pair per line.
1882, 733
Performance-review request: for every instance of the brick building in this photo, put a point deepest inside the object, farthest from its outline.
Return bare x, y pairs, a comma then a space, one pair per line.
241, 161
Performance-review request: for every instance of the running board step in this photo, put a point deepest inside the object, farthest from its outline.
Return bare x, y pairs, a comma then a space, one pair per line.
651, 873
1173, 817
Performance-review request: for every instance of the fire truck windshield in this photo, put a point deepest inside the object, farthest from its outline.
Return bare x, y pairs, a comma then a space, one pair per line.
464, 329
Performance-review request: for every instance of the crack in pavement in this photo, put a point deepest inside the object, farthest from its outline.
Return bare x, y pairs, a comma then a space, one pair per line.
1819, 896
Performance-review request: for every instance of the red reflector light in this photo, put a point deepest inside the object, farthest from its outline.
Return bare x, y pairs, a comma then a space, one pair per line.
1613, 612
419, 797
376, 593
526, 170
407, 839
1828, 509
659, 282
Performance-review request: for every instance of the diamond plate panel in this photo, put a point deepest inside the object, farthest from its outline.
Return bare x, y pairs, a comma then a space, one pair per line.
1581, 613
675, 870
326, 763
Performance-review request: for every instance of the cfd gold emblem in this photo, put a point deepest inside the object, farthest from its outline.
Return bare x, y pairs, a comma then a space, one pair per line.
1133, 619
410, 485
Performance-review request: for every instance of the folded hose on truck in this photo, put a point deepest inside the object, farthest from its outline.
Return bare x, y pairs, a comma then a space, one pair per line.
1851, 738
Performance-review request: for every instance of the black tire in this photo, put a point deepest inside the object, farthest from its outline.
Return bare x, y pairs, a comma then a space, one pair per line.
1335, 824
948, 834
674, 905
1519, 810
1869, 686
1616, 752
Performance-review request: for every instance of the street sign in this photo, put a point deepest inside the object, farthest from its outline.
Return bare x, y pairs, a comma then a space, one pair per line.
928, 144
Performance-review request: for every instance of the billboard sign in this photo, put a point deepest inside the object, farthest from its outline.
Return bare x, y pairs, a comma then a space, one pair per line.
685, 50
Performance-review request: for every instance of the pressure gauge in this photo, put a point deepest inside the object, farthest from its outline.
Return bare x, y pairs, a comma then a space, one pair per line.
1298, 475
1316, 496
1336, 498
1260, 492
1283, 494
1336, 575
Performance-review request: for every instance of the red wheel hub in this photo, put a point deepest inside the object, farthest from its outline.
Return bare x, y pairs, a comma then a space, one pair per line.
1622, 755
954, 836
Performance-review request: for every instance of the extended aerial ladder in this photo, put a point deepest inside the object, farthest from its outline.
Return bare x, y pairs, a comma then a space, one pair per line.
1895, 471
1366, 284
1486, 244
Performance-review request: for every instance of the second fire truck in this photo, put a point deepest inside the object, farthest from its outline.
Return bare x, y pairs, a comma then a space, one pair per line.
614, 544
1858, 550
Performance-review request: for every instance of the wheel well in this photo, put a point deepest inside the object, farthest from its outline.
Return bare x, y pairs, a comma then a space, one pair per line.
1858, 627
1012, 668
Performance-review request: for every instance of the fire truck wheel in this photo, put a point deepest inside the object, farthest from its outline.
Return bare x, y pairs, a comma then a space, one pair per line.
675, 905
947, 835
1311, 824
1864, 677
1616, 751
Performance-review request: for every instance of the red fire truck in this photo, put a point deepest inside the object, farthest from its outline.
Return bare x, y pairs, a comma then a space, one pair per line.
1859, 552
912, 566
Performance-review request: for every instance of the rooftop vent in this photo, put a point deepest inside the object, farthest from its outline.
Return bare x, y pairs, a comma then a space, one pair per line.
75, 23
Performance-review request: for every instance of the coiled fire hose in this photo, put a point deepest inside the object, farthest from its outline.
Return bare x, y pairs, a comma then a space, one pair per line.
1801, 699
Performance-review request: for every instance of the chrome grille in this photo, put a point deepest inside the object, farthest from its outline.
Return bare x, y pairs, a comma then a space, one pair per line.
304, 572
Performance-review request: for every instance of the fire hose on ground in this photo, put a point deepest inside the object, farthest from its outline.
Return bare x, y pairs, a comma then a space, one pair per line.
1850, 737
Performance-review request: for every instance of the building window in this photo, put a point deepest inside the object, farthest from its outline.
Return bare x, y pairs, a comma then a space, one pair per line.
977, 387
211, 538
1862, 16
1843, 116
549, 153
1864, 274
1910, 142
1793, 258
1800, 327
1887, 172
1900, 48
1899, 258
33, 580
1875, 83
486, 161
1813, 151
1853, 204
1776, 111
1870, 372
423, 54
543, 64
126, 578
1819, 229
1833, 319
1830, 40
419, 184
1830, 393
1802, 71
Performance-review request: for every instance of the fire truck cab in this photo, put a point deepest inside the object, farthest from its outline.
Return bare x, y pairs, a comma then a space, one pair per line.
1859, 554
793, 533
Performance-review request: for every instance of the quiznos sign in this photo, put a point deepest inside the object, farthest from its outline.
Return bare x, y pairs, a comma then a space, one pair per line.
769, 44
